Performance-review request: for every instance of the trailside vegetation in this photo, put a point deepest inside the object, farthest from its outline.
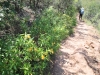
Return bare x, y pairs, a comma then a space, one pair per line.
31, 32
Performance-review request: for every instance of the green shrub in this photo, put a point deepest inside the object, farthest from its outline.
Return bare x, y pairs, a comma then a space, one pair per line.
21, 56
29, 54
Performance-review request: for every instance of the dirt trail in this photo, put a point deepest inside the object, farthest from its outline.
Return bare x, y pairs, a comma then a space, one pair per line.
79, 54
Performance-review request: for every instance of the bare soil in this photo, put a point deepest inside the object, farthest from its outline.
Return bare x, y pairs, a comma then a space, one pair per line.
79, 54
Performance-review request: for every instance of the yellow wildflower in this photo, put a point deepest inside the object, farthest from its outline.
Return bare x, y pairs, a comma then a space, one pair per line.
46, 53
35, 49
53, 43
64, 14
27, 36
42, 57
30, 49
52, 51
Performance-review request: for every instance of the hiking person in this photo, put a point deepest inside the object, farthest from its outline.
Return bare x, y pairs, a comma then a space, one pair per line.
81, 12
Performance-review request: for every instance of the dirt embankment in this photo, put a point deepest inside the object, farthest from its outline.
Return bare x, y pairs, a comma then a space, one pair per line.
79, 54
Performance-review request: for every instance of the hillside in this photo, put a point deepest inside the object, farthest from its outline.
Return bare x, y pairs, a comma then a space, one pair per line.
31, 32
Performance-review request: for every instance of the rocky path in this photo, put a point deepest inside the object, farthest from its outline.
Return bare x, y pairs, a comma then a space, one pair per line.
79, 54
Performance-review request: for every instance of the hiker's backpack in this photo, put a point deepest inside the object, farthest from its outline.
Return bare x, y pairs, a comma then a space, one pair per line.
82, 10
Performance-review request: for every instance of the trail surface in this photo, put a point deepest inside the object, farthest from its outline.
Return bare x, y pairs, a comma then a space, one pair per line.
79, 54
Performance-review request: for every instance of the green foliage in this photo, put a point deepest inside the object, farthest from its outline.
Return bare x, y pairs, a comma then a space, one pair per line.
78, 4
52, 27
29, 50
21, 56
93, 13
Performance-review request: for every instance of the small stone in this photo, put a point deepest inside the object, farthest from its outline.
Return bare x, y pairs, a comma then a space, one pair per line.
87, 47
99, 40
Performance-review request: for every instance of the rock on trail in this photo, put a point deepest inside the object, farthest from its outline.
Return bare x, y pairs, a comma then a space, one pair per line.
79, 54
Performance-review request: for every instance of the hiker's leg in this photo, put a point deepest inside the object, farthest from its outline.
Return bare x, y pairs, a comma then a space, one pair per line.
79, 16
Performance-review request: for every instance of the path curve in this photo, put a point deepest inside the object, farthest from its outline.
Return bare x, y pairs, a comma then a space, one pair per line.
79, 54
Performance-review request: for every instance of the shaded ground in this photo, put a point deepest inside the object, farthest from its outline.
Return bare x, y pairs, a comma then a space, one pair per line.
79, 54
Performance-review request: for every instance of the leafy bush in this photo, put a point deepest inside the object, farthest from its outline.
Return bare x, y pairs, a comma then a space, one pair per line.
29, 54
52, 27
21, 56
78, 4
93, 13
